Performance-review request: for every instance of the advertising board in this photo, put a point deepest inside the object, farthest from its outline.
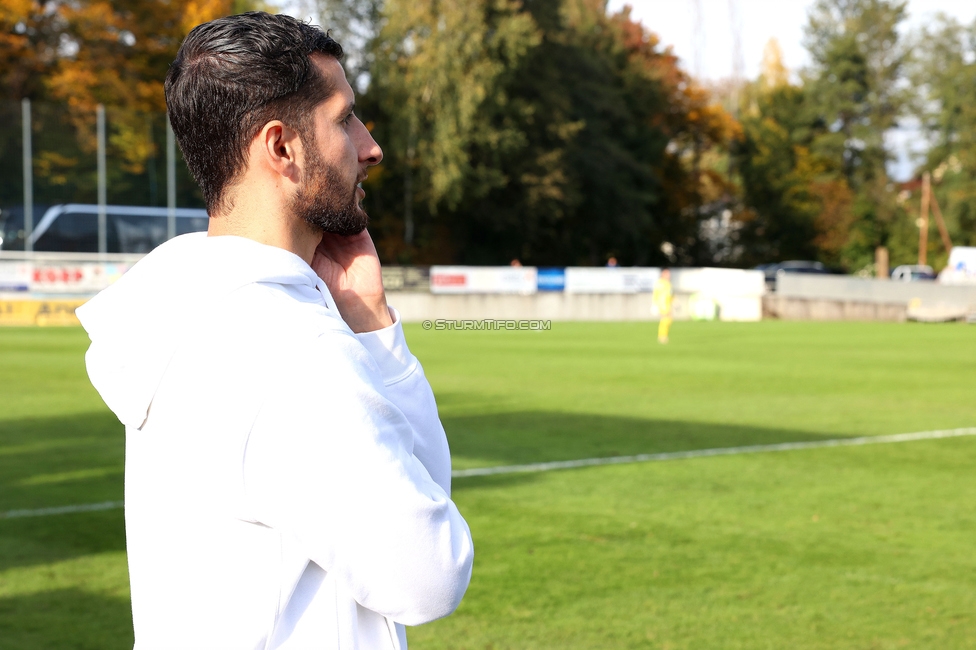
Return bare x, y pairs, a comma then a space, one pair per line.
483, 279
406, 278
82, 277
582, 279
551, 279
735, 293
58, 277
39, 312
15, 276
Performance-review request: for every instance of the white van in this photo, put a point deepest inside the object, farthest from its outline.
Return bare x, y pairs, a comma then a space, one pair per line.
961, 268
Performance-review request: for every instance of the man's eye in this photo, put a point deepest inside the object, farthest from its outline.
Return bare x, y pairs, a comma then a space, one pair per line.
348, 118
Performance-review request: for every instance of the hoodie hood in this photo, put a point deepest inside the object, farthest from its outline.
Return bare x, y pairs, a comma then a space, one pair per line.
136, 325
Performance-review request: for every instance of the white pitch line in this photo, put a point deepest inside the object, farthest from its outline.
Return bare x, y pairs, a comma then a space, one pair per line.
61, 510
589, 462
719, 451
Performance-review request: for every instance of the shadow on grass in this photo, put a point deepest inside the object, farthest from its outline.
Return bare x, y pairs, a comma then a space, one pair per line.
59, 461
23, 431
62, 460
29, 541
69, 619
539, 436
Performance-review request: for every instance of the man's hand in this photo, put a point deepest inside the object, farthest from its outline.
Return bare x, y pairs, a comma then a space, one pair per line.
350, 267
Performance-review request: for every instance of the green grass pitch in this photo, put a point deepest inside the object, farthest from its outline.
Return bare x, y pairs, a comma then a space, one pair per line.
857, 547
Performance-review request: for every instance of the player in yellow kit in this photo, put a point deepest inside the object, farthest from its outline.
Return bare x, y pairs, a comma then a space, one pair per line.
663, 296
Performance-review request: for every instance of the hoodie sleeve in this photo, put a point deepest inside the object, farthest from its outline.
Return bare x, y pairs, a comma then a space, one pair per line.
330, 460
407, 387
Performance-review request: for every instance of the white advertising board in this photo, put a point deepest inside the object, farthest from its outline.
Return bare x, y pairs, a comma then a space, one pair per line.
737, 292
15, 276
581, 279
66, 277
719, 282
483, 279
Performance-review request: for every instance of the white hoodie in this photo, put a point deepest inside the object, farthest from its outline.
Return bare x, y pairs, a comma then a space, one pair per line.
287, 482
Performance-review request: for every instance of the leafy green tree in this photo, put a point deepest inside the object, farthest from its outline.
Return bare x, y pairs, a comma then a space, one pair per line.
355, 24
434, 84
793, 197
854, 89
777, 171
943, 73
546, 131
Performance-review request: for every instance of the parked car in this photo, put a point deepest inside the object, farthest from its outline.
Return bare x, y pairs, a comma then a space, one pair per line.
772, 271
912, 273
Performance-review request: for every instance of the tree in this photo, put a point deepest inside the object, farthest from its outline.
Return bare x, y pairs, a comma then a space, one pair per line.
777, 168
546, 131
854, 89
28, 47
799, 202
95, 51
943, 72
355, 24
77, 54
433, 88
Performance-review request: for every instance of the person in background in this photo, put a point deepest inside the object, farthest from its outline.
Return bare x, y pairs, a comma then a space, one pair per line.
663, 296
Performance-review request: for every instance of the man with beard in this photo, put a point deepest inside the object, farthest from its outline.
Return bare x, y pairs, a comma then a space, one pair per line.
287, 479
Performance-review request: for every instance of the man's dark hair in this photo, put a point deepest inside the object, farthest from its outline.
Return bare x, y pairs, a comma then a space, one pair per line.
231, 77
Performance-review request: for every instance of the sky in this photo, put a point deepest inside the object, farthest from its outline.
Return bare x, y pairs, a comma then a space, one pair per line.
760, 20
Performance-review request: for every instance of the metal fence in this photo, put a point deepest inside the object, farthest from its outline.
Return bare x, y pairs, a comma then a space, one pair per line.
56, 154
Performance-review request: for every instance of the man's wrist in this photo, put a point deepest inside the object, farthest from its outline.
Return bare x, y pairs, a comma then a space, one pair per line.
389, 349
368, 318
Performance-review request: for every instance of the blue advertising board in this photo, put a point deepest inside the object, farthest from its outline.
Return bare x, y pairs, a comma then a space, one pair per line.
551, 279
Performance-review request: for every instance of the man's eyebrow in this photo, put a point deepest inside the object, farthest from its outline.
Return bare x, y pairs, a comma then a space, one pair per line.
348, 108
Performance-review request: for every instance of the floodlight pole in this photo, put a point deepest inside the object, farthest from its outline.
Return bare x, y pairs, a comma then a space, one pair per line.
25, 114
923, 221
170, 181
102, 185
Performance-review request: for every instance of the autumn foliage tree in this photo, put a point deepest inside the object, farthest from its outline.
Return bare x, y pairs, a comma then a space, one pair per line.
71, 56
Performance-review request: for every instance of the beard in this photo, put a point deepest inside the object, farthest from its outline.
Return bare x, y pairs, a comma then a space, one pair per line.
323, 202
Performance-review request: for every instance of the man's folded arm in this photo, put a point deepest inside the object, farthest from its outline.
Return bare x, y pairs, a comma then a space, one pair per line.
407, 387
330, 461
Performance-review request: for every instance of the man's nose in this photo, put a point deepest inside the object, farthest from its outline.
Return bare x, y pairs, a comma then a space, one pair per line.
375, 153
370, 152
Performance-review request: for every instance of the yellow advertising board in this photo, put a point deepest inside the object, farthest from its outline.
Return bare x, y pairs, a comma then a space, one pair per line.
39, 312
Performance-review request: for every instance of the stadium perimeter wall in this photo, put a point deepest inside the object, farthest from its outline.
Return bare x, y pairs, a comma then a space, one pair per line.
583, 294
45, 289
825, 297
415, 307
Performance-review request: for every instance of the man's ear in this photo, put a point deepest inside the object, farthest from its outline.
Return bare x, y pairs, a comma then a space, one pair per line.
278, 147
